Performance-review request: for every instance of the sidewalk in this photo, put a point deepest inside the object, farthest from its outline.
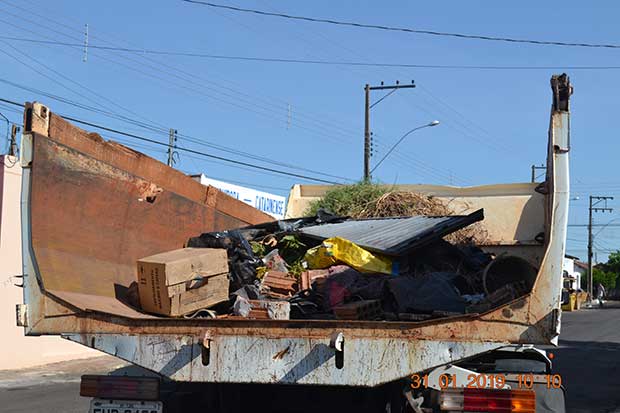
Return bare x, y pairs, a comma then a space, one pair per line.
62, 372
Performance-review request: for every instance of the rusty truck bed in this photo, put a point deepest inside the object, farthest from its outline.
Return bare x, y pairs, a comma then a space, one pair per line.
91, 208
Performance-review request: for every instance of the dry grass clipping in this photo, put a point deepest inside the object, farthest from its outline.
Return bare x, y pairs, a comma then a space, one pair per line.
399, 204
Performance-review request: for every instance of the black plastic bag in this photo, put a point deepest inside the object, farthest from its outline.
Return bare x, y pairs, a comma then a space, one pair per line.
241, 260
426, 293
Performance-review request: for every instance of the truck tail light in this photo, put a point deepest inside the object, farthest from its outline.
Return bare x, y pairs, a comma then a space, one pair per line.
488, 400
120, 387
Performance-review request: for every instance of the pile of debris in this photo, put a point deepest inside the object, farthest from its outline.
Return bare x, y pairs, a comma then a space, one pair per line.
330, 267
371, 200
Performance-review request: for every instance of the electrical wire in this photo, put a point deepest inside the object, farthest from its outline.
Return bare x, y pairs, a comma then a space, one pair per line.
165, 132
80, 46
328, 42
61, 75
312, 61
405, 29
174, 72
407, 162
594, 225
237, 152
320, 118
131, 135
83, 106
76, 45
459, 126
249, 184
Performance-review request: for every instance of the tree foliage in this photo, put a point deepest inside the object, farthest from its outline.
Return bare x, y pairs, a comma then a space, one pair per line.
608, 279
613, 263
608, 273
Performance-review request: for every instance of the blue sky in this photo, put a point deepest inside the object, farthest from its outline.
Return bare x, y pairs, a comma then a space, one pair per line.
493, 122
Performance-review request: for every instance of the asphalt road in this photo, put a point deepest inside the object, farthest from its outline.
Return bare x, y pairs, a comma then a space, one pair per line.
588, 359
51, 388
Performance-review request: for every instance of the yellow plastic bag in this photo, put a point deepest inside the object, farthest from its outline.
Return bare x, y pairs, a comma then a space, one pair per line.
339, 250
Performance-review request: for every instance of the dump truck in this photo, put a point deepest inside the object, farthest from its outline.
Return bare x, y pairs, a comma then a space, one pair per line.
91, 208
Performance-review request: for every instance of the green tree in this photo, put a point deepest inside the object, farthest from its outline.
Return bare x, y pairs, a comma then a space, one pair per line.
608, 279
613, 263
611, 269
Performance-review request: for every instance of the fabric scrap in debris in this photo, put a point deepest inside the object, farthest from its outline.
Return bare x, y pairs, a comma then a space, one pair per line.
339, 250
345, 284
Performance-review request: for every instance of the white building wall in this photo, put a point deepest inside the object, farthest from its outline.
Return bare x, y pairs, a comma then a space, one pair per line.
572, 270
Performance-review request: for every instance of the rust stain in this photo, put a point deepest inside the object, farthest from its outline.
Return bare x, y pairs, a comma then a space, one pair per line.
96, 209
280, 354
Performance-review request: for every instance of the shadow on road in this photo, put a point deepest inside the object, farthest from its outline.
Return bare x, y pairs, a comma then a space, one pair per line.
594, 372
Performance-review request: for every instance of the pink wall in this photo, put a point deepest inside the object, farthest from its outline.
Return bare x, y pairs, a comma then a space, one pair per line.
16, 350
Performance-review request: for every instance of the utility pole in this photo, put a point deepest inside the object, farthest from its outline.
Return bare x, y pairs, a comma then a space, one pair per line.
172, 143
594, 201
367, 107
288, 116
13, 141
534, 168
367, 134
85, 49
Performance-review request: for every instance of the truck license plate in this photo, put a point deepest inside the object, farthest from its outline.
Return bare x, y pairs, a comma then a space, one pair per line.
125, 406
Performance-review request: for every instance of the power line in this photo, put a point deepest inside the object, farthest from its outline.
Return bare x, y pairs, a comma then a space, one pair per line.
136, 50
319, 119
310, 61
248, 184
404, 29
131, 135
159, 130
594, 225
189, 138
84, 106
322, 120
175, 73
42, 73
330, 42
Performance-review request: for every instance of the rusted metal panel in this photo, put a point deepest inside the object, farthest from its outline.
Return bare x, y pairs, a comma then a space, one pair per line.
508, 323
151, 170
91, 221
97, 207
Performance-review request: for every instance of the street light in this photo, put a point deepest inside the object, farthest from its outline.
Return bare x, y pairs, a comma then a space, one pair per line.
433, 123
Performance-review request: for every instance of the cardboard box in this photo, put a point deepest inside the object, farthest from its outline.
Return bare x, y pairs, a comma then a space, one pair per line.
178, 282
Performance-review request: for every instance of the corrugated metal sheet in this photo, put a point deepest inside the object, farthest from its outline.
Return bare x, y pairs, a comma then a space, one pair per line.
393, 236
